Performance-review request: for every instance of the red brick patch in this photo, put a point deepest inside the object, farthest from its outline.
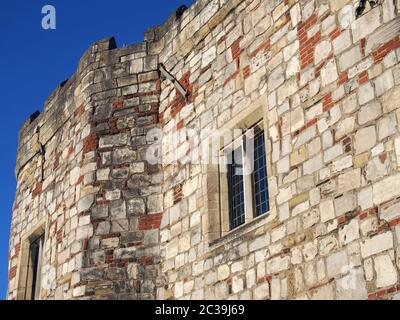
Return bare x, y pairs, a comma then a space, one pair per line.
235, 48
17, 250
12, 273
90, 143
307, 45
347, 144
334, 34
363, 77
178, 193
180, 101
246, 72
118, 105
384, 49
343, 77
161, 119
79, 111
307, 125
362, 46
146, 260
263, 47
180, 124
394, 222
327, 102
37, 190
384, 292
59, 235
264, 279
150, 222
231, 77
222, 39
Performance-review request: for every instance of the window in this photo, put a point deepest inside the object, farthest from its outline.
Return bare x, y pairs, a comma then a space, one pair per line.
236, 190
260, 179
34, 269
29, 279
244, 179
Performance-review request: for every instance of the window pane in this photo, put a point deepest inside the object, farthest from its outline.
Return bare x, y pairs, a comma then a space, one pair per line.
236, 190
260, 179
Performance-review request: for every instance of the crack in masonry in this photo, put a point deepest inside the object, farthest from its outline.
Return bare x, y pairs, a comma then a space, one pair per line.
42, 153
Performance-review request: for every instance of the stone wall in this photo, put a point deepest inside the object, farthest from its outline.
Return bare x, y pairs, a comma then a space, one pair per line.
327, 88
98, 201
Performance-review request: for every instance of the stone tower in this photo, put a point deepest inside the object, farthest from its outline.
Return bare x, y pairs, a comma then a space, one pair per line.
319, 79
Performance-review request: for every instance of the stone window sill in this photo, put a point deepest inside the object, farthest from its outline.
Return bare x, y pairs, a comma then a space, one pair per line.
239, 232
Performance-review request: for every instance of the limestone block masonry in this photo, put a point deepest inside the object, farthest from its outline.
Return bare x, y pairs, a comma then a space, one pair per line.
119, 227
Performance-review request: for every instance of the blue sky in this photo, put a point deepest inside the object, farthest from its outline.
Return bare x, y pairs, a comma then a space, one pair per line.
34, 61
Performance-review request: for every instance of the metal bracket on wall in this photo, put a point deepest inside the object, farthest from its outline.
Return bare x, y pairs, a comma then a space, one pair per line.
164, 74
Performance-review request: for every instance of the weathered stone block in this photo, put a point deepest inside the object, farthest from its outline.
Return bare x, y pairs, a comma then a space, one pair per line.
223, 272
118, 209
322, 51
345, 127
387, 126
365, 139
391, 212
333, 152
349, 232
295, 15
397, 150
352, 286
327, 210
85, 203
369, 112
386, 189
342, 42
365, 199
310, 218
100, 212
261, 292
123, 155
323, 293
329, 73
337, 4
365, 25
342, 164
349, 58
384, 83
349, 181
377, 244
253, 82
377, 168
345, 204
386, 273
278, 264
390, 100
337, 263
312, 165
136, 206
259, 243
